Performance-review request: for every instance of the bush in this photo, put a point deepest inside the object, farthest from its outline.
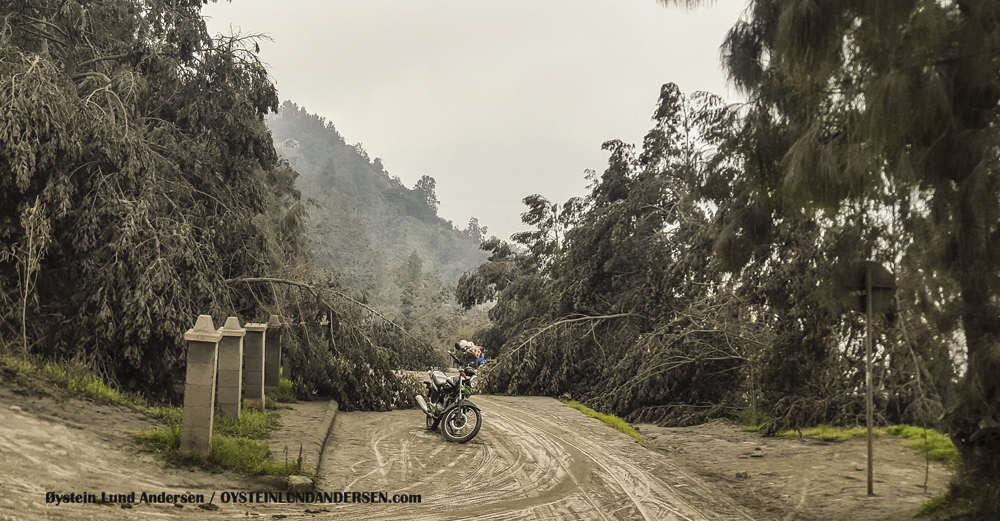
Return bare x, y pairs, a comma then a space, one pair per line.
285, 393
933, 505
752, 419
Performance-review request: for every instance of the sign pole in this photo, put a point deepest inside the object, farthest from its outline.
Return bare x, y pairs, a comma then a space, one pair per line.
863, 279
868, 374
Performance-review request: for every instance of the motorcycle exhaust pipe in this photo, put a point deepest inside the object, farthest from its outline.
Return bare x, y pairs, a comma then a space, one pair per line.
423, 405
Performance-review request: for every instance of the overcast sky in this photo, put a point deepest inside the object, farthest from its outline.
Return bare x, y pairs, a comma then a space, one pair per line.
495, 99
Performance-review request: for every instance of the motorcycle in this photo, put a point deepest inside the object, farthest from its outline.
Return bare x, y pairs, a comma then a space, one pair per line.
447, 404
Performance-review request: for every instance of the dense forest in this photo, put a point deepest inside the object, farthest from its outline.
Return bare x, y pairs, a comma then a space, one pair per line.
704, 272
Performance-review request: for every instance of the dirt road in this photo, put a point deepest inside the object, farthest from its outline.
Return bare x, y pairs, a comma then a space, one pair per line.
535, 458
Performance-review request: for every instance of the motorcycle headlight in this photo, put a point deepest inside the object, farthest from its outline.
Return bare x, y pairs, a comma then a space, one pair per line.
472, 382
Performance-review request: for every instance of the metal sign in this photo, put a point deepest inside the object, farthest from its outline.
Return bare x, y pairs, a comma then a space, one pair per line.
883, 287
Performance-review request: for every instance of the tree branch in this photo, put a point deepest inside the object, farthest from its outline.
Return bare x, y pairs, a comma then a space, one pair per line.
50, 24
567, 321
100, 59
29, 28
316, 293
81, 75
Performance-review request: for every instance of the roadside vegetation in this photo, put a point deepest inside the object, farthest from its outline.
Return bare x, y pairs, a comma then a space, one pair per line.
285, 393
752, 419
933, 505
75, 380
928, 442
236, 444
609, 419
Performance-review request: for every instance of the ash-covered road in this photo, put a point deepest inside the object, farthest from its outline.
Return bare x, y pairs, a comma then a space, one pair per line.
534, 459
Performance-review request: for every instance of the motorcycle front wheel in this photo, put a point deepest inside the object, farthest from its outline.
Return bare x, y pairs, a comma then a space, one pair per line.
432, 422
461, 424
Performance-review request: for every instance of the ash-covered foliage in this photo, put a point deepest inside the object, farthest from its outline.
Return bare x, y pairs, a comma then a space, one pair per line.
135, 164
669, 295
890, 111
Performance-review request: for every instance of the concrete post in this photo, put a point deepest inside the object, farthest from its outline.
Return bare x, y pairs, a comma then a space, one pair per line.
230, 376
253, 377
199, 388
272, 353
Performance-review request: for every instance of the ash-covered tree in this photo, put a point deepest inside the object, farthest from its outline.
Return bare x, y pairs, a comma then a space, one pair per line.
517, 277
140, 142
613, 298
427, 187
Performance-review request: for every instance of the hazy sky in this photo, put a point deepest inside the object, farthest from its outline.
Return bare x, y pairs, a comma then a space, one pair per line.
495, 99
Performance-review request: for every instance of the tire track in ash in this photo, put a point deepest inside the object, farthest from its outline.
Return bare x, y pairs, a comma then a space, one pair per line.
534, 459
505, 462
629, 468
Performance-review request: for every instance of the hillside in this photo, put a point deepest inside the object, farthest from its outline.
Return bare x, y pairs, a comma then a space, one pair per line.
364, 223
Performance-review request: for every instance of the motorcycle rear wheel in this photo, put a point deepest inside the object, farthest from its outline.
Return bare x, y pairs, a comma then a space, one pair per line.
461, 424
432, 422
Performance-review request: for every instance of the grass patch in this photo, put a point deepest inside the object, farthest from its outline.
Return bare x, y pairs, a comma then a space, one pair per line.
234, 444
247, 457
929, 442
253, 424
80, 382
241, 455
167, 414
163, 441
609, 419
77, 381
285, 393
830, 433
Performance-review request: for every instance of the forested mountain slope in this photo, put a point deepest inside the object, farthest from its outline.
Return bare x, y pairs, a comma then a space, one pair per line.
364, 223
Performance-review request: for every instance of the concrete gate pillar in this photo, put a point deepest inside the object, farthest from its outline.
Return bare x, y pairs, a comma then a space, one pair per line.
253, 377
199, 387
230, 376
272, 353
